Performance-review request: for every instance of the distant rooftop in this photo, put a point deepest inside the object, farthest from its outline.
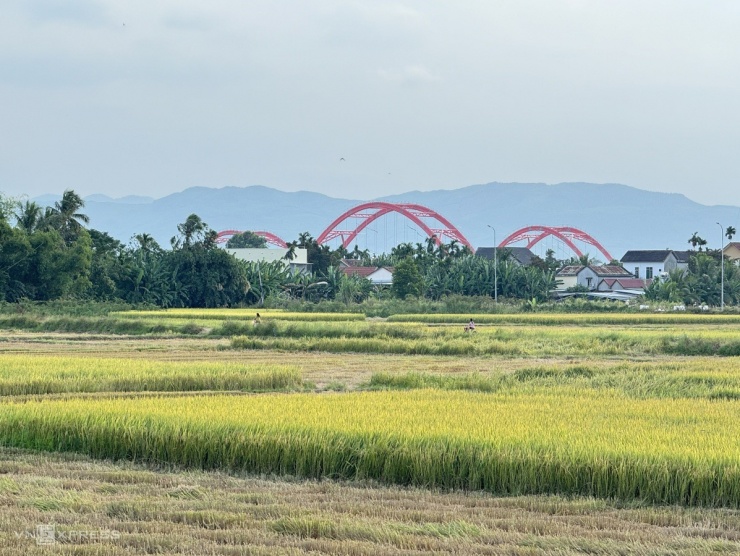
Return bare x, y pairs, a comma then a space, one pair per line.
647, 256
521, 254
602, 271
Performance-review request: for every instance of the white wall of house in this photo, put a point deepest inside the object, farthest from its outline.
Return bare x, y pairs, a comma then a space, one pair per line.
652, 269
588, 278
585, 277
566, 282
382, 276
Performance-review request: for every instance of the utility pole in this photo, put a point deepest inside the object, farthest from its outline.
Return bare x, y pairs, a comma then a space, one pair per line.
495, 265
722, 264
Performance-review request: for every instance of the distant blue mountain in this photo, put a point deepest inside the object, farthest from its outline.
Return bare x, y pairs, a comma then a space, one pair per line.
618, 216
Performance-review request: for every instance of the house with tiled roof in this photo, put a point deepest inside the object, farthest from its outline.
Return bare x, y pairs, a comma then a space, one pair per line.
588, 276
627, 285
378, 275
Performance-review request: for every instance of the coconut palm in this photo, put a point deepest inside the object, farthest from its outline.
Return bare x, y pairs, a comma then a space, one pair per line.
192, 228
28, 216
147, 243
65, 215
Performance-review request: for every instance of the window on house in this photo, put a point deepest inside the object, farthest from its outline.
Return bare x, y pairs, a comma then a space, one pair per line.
648, 272
637, 272
588, 281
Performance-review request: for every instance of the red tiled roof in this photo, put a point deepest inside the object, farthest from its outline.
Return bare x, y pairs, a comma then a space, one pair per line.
572, 270
611, 270
363, 271
626, 283
633, 283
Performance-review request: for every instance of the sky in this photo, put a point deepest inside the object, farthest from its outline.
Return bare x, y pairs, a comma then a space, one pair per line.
361, 99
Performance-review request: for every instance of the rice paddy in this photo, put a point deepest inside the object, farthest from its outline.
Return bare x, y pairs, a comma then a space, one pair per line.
557, 442
594, 411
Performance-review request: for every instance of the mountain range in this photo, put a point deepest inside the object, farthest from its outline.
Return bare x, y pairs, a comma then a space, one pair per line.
618, 216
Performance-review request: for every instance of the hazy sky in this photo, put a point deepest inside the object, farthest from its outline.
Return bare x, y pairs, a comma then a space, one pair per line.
151, 97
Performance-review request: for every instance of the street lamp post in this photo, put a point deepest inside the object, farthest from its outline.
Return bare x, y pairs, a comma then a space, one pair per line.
722, 264
495, 265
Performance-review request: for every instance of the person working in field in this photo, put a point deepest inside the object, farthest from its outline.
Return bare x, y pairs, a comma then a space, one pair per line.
470, 327
257, 320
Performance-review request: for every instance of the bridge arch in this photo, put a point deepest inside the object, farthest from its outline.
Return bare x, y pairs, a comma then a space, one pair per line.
270, 238
431, 222
566, 234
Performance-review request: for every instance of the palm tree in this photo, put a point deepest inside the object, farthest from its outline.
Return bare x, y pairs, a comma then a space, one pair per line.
146, 243
730, 232
586, 260
191, 228
290, 254
696, 239
65, 217
431, 244
305, 239
28, 216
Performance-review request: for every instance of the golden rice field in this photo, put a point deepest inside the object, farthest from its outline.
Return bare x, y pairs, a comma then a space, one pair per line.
33, 375
578, 414
238, 314
559, 441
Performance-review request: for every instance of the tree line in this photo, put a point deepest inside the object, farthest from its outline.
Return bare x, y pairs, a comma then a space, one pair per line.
48, 253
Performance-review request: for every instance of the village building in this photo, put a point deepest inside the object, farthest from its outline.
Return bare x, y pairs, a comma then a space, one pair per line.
732, 251
649, 264
589, 276
634, 286
378, 275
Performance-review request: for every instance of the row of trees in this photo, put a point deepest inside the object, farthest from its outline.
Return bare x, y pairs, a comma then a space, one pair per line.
48, 253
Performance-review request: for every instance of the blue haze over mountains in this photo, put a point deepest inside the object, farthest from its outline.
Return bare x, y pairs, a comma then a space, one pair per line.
618, 216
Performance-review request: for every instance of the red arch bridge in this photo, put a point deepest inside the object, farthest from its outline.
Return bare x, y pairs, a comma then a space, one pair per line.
431, 222
354, 221
534, 234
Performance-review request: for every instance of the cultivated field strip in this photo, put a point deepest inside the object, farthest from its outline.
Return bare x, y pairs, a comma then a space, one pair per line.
708, 378
578, 319
38, 375
488, 340
238, 314
558, 440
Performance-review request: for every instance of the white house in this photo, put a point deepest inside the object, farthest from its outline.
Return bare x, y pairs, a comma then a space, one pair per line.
378, 275
652, 263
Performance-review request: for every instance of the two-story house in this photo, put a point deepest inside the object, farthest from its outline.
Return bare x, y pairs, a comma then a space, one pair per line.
650, 264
